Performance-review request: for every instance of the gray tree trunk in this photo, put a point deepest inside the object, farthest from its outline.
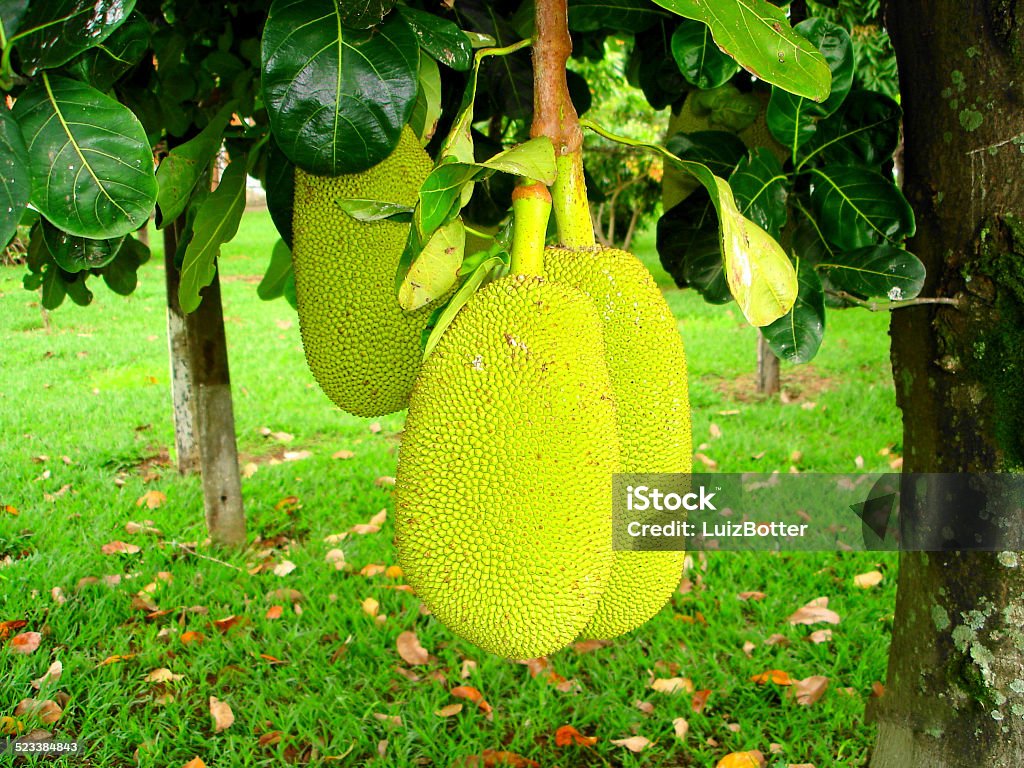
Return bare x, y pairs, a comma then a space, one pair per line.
768, 374
955, 691
186, 443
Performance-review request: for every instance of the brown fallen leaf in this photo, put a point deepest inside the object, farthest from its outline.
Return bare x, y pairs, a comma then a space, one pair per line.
162, 675
285, 596
223, 717
270, 738
644, 706
373, 526
52, 675
227, 622
25, 643
707, 461
195, 762
751, 596
776, 639
810, 689
6, 627
699, 700
633, 743
490, 758
384, 481
45, 711
152, 499
820, 636
589, 646
472, 694
752, 759
119, 548
567, 734
410, 650
868, 580
449, 710
799, 765
372, 569
672, 685
681, 727
132, 528
343, 455
815, 612
776, 676
336, 557
389, 719
877, 690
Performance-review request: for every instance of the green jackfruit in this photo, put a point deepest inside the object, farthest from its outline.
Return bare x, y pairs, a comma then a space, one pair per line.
503, 494
363, 349
645, 359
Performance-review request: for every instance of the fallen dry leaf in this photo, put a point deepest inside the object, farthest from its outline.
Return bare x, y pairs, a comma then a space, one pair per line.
681, 727
192, 637
589, 646
752, 759
748, 648
776, 676
644, 706
449, 710
394, 572
375, 427
490, 758
26, 642
384, 481
820, 636
115, 659
52, 675
275, 612
410, 650
57, 595
270, 738
6, 627
472, 694
868, 580
751, 596
336, 557
877, 690
297, 455
371, 607
47, 711
566, 735
707, 461
372, 569
162, 675
776, 639
223, 717
132, 528
343, 455
227, 623
152, 499
285, 596
195, 762
119, 548
468, 665
699, 700
284, 568
633, 743
250, 469
389, 719
672, 685
815, 612
810, 689
799, 765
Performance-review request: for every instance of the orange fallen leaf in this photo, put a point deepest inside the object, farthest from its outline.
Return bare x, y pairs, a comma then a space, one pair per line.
410, 650
567, 734
752, 759
372, 569
275, 612
288, 504
815, 612
272, 659
633, 743
877, 690
119, 548
776, 676
10, 727
449, 710
223, 717
473, 694
10, 510
26, 642
115, 659
672, 685
699, 700
192, 637
152, 499
868, 580
810, 689
195, 762
6, 627
394, 572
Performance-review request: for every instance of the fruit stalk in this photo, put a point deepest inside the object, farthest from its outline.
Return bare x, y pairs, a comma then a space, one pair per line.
555, 116
531, 207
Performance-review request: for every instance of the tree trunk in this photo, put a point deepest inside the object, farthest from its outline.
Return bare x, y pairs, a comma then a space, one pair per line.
185, 443
955, 692
768, 374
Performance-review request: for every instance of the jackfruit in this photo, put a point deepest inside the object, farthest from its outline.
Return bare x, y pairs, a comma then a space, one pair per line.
503, 493
647, 364
363, 349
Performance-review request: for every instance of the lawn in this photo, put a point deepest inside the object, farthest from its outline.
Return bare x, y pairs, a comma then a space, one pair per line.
302, 643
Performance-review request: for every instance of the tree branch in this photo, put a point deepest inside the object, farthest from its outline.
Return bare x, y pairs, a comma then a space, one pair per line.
889, 306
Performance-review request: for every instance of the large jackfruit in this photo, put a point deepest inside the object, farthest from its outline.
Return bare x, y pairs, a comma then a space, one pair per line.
503, 495
363, 349
647, 364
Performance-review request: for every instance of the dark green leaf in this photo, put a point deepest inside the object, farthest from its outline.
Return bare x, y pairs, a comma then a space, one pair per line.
91, 164
11, 12
796, 336
53, 287
427, 109
652, 69
55, 31
182, 168
122, 274
793, 119
280, 187
337, 98
616, 15
362, 14
77, 290
760, 189
102, 65
15, 186
877, 271
280, 267
215, 224
698, 58
74, 254
506, 82
863, 131
442, 39
758, 36
689, 249
856, 207
361, 209
720, 151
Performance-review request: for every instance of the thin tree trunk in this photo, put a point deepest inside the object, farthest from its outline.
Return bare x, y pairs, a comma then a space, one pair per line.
186, 445
955, 691
628, 240
769, 380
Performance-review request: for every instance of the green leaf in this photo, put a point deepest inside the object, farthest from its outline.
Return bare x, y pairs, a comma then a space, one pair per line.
435, 269
15, 185
77, 290
337, 98
698, 58
796, 336
726, 108
216, 223
720, 151
91, 165
793, 119
427, 109
362, 14
362, 209
53, 286
181, 169
863, 131
53, 32
280, 188
690, 250
652, 69
761, 188
757, 34
440, 38
280, 267
620, 16
74, 254
102, 65
122, 274
488, 268
877, 271
856, 207
11, 12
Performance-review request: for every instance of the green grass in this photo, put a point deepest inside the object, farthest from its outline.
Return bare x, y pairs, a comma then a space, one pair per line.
94, 388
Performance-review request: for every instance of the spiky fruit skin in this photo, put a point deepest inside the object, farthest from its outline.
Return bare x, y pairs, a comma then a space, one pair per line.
363, 349
503, 493
647, 364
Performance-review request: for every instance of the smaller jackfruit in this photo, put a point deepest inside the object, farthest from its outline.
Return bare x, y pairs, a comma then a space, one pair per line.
647, 365
363, 349
503, 493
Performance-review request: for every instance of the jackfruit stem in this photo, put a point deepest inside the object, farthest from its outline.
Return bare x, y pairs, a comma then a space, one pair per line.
531, 207
555, 116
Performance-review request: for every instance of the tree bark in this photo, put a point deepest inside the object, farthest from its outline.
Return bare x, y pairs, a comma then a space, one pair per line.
955, 691
186, 445
768, 374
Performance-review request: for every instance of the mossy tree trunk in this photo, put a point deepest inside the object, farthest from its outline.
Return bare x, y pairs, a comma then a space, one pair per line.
955, 691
